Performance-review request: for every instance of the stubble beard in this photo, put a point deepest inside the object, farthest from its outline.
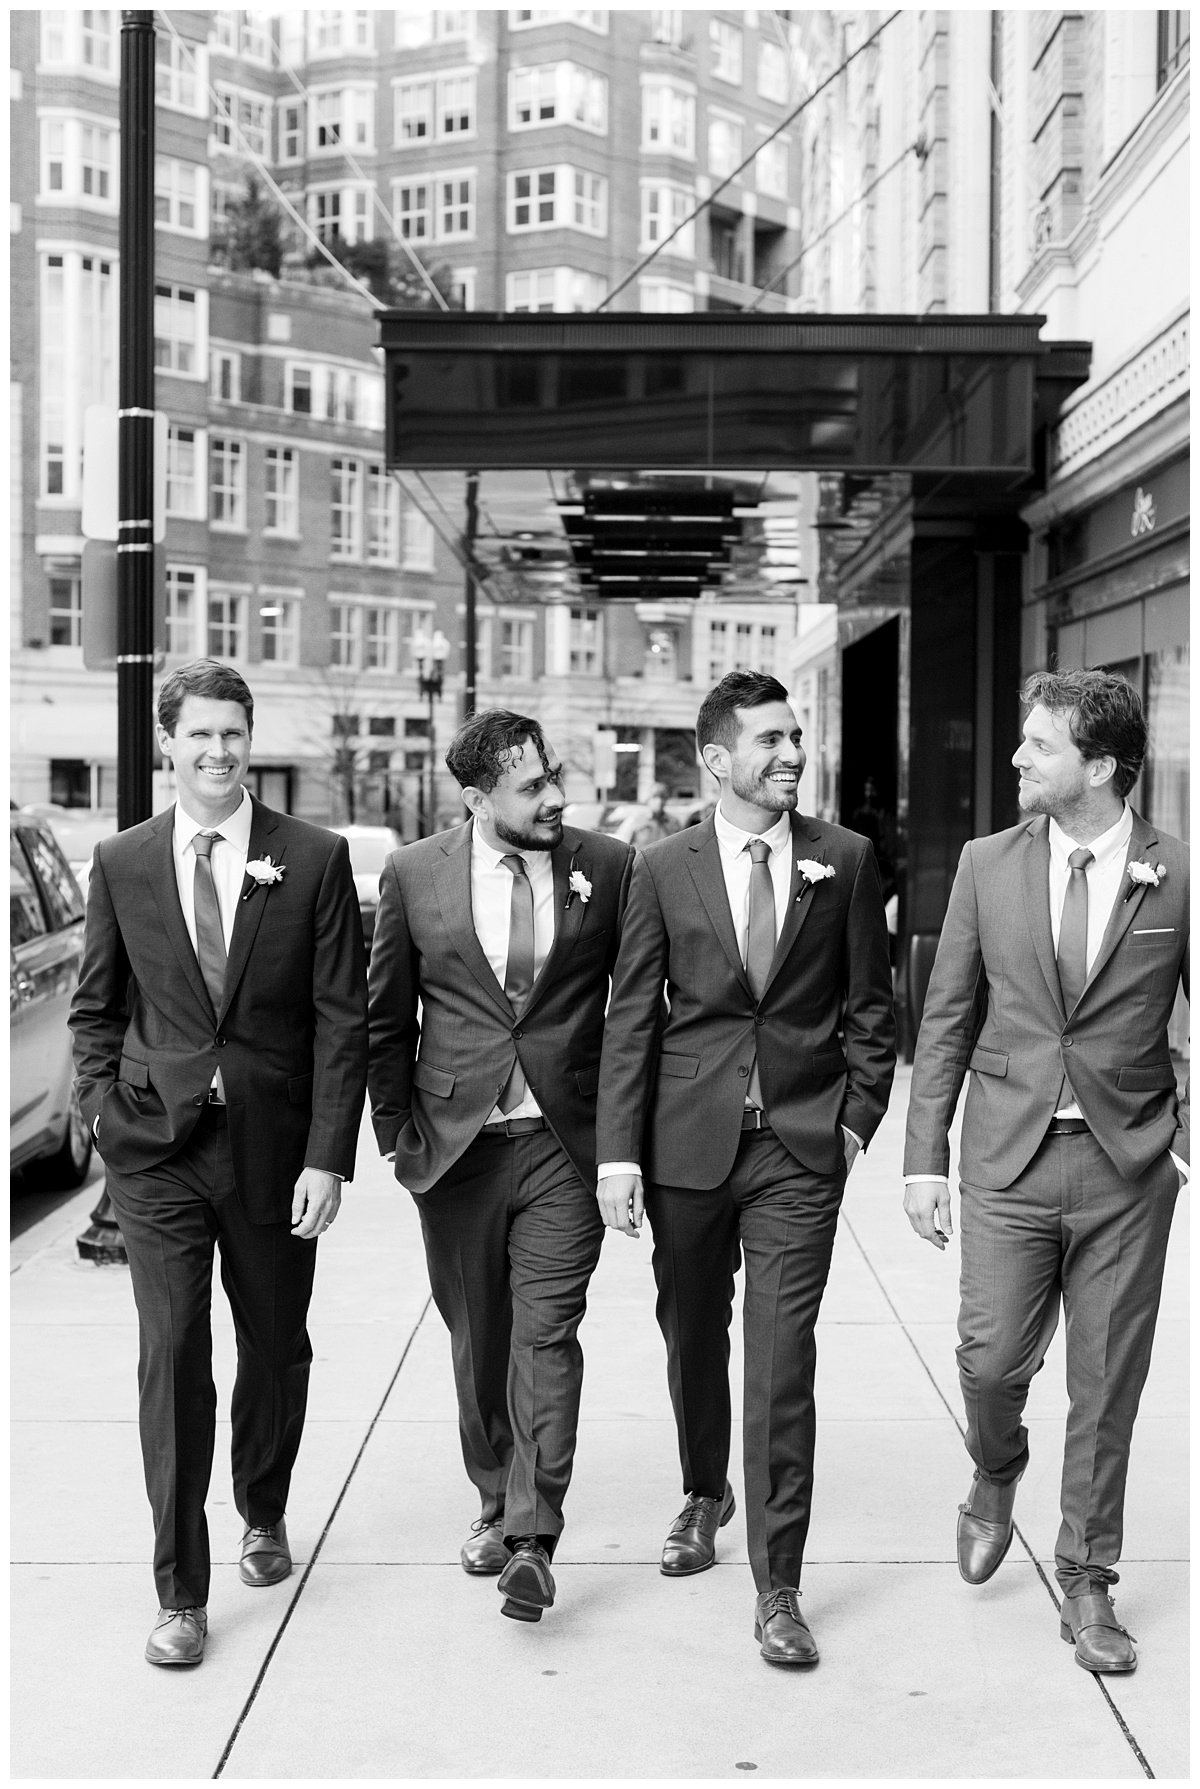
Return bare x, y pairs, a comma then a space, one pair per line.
760, 792
526, 841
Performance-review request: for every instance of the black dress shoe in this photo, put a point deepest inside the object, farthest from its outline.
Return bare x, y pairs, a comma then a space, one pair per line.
265, 1555
177, 1637
484, 1553
985, 1528
784, 1633
526, 1582
691, 1546
1101, 1643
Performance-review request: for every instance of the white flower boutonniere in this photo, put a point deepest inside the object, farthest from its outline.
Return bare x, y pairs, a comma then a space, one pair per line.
578, 884
1143, 875
813, 872
262, 872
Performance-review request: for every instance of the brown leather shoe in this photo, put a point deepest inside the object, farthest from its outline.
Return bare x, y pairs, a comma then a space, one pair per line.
691, 1546
483, 1554
177, 1637
265, 1555
527, 1583
985, 1528
1101, 1643
785, 1635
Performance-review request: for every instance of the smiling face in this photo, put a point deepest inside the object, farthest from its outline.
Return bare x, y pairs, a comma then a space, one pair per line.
760, 776
1057, 779
210, 753
524, 810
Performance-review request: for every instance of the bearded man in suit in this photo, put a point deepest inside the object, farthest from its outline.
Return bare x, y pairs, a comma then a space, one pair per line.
1065, 941
503, 932
220, 1051
743, 1100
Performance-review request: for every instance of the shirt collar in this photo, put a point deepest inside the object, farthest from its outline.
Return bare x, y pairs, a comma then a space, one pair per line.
491, 859
733, 840
236, 828
1103, 849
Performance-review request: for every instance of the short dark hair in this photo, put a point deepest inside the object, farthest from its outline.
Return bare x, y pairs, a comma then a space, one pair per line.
717, 722
1106, 718
202, 677
480, 752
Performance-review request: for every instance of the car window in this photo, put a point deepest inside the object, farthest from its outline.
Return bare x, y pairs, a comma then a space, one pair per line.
25, 917
57, 881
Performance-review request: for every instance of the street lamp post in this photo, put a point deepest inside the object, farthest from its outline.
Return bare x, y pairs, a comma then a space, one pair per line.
428, 657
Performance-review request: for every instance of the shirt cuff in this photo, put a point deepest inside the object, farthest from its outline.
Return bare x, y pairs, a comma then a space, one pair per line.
910, 1178
855, 1135
1181, 1165
607, 1168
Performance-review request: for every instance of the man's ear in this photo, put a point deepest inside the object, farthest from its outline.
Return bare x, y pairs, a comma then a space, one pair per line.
475, 799
1101, 771
716, 759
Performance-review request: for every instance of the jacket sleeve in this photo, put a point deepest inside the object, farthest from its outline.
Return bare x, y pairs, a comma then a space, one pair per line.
633, 1023
955, 1004
392, 1012
869, 1014
340, 1028
99, 1012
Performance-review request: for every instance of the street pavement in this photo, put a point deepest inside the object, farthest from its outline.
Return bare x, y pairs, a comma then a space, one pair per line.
380, 1659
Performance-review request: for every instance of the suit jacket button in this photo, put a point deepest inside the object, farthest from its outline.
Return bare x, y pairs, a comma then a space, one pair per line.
199, 1100
220, 1042
1068, 1041
743, 1071
759, 1019
518, 1033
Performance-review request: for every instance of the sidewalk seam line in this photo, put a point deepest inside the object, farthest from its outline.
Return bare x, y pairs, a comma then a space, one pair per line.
316, 1552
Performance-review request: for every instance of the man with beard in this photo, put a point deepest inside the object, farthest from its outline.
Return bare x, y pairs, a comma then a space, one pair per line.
503, 932
745, 1099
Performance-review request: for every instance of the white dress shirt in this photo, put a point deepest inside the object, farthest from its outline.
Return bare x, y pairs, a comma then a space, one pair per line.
491, 912
231, 847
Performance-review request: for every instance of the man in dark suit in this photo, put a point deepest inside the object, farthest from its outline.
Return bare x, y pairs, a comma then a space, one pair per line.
220, 1050
743, 1101
504, 932
1064, 944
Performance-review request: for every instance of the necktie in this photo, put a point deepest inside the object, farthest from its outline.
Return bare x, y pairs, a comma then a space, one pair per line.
210, 934
518, 972
1072, 932
760, 936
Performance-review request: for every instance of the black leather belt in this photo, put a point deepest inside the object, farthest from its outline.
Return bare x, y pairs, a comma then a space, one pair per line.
755, 1120
515, 1127
1067, 1127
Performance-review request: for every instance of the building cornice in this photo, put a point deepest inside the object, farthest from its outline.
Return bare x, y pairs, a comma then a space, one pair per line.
1151, 379
1162, 438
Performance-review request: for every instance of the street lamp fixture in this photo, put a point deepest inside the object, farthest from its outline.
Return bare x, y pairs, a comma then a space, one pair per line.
429, 653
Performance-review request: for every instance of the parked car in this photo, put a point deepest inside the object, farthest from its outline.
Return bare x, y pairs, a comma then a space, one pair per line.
370, 848
47, 1132
78, 831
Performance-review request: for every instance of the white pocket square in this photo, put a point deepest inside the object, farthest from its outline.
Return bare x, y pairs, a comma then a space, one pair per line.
1151, 931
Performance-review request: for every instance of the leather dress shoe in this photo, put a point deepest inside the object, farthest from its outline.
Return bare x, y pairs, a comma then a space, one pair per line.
526, 1583
985, 1528
785, 1635
691, 1546
483, 1554
1101, 1643
265, 1555
177, 1637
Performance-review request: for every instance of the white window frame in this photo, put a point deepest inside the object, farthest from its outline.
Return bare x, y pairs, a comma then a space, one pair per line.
772, 57
300, 374
347, 501
284, 629
519, 650
380, 636
567, 204
290, 138
413, 106
553, 289
454, 211
665, 203
557, 93
72, 612
344, 209
170, 176
194, 580
452, 22
418, 541
725, 52
668, 117
227, 457
455, 116
585, 651
180, 75
190, 301
777, 152
77, 295
345, 115
464, 284
345, 632
66, 41
73, 143
591, 18
382, 507
355, 34
665, 295
285, 497
412, 27
240, 122
730, 125
222, 361
413, 207
225, 634
187, 490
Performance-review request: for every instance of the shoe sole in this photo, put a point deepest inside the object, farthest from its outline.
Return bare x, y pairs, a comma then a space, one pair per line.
689, 1571
482, 1571
265, 1583
1064, 1633
151, 1660
525, 1596
522, 1611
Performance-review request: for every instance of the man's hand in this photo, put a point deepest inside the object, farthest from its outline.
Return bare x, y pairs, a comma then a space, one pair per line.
927, 1203
620, 1199
315, 1202
852, 1146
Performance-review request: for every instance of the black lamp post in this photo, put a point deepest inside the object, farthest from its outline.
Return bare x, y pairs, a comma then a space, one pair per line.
428, 657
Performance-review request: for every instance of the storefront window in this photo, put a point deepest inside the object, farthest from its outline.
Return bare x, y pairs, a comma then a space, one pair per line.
1167, 776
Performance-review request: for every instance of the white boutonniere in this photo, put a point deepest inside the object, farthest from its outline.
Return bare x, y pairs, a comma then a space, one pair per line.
578, 884
813, 872
1143, 875
262, 872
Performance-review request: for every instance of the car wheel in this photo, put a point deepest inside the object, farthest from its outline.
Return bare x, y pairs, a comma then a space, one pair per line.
68, 1166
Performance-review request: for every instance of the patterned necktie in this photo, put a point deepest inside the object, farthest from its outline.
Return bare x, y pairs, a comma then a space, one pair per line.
518, 972
210, 934
760, 936
1072, 932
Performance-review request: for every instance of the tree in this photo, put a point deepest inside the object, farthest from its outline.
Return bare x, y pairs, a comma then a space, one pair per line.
253, 235
385, 267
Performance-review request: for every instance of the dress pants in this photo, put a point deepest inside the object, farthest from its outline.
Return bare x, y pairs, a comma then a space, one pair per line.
783, 1219
1070, 1230
512, 1237
171, 1217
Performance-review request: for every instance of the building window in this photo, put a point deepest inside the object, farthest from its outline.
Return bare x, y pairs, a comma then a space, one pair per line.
226, 625
455, 206
724, 144
346, 509
591, 18
66, 611
184, 586
554, 289
176, 330
665, 295
291, 130
462, 288
743, 646
418, 540
557, 92
280, 634
725, 51
515, 642
256, 38
545, 198
768, 640
584, 643
668, 119
341, 212
81, 39
379, 638
224, 375
1174, 44
718, 650
175, 66
184, 467
456, 105
771, 168
227, 483
414, 218
336, 32
225, 25
664, 207
300, 390
281, 491
772, 72
666, 27
342, 119
78, 354
383, 517
343, 634
413, 114
176, 195
78, 162
240, 120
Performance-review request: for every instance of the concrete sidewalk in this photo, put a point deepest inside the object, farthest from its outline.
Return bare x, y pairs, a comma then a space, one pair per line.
381, 1659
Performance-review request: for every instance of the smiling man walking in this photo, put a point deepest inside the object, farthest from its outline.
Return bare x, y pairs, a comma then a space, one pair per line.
744, 1100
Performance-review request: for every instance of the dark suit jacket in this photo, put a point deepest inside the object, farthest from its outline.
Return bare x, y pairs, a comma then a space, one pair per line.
994, 1007
290, 1037
673, 1082
435, 1079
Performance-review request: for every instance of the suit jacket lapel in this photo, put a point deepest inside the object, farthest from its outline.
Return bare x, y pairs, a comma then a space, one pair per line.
1035, 882
452, 887
248, 917
705, 865
805, 832
1141, 843
568, 911
158, 856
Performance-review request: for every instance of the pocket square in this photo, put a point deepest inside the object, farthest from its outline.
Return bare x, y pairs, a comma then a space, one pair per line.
1151, 931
